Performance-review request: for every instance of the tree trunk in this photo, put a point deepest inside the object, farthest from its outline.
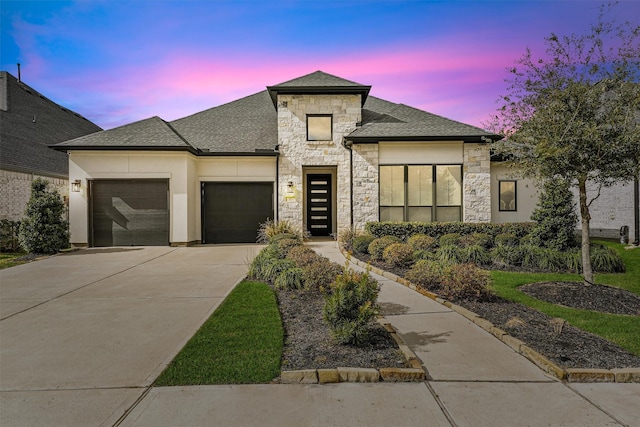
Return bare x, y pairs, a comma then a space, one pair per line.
585, 218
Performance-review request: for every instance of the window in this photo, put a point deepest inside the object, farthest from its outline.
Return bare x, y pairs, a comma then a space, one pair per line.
507, 200
421, 193
319, 128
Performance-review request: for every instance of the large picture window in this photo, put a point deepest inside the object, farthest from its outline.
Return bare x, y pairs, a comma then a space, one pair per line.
423, 193
319, 128
507, 200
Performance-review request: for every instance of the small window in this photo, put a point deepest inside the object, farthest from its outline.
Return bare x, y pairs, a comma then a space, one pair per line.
507, 191
319, 128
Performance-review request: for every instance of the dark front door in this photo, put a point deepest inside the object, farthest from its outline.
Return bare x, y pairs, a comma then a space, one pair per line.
129, 212
233, 211
319, 209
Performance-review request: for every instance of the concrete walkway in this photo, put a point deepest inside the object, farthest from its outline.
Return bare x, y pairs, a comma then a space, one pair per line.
83, 337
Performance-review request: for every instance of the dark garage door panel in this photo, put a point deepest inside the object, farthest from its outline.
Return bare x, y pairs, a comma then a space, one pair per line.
233, 211
130, 213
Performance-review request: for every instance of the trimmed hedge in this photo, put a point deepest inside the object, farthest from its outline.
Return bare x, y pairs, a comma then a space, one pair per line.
404, 230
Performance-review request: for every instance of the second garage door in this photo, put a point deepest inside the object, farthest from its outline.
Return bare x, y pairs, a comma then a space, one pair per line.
233, 211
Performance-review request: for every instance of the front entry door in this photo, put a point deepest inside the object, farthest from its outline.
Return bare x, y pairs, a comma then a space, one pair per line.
319, 209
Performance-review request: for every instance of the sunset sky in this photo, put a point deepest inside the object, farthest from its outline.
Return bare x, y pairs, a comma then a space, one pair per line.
120, 61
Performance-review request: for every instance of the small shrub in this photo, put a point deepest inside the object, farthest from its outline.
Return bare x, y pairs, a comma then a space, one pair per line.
574, 260
377, 246
283, 246
398, 254
422, 242
450, 239
477, 239
346, 238
351, 306
424, 254
302, 255
284, 236
290, 278
361, 243
606, 260
466, 281
506, 239
555, 216
476, 254
506, 255
9, 236
272, 270
531, 256
43, 229
552, 260
320, 274
270, 229
427, 274
449, 254
257, 269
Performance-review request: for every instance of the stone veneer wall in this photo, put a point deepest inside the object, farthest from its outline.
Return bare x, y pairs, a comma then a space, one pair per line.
15, 190
296, 152
476, 183
365, 185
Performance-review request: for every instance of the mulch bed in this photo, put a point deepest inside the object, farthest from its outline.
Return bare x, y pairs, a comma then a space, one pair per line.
308, 342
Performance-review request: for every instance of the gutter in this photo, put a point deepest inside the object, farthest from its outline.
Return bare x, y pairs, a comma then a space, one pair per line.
349, 146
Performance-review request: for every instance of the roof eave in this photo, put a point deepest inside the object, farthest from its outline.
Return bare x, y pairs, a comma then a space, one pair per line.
120, 148
274, 91
426, 138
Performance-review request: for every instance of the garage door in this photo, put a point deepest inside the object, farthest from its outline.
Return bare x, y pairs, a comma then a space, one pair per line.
233, 211
129, 212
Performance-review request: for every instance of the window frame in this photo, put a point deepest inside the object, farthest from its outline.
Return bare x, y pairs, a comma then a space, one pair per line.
330, 129
434, 194
515, 195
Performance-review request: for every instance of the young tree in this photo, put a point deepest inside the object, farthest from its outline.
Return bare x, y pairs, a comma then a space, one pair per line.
43, 229
574, 113
555, 217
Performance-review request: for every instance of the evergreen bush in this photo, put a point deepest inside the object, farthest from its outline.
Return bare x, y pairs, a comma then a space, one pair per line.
320, 274
398, 254
43, 229
466, 281
476, 254
361, 243
302, 255
377, 246
506, 239
450, 239
422, 242
427, 274
9, 241
290, 278
555, 217
606, 260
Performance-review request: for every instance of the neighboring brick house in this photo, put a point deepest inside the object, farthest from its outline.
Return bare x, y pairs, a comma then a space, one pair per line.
29, 122
317, 150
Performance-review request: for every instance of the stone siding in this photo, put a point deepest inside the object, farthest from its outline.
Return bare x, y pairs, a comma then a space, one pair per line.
15, 190
296, 152
365, 185
476, 183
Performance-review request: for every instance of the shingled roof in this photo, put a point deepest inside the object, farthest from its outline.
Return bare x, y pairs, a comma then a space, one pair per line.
30, 123
249, 126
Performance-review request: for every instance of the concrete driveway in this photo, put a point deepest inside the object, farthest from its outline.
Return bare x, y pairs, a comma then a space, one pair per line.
83, 335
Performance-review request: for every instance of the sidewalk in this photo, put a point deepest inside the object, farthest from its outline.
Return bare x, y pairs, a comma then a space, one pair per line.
473, 380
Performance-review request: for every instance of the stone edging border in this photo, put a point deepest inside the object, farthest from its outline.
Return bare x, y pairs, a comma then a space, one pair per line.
572, 375
362, 375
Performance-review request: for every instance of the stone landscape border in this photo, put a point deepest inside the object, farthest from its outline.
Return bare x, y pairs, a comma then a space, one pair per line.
362, 375
572, 375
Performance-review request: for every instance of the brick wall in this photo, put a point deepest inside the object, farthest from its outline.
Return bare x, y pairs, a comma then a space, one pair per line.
15, 190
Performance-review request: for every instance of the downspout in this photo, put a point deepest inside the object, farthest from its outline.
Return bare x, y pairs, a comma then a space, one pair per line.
277, 205
636, 210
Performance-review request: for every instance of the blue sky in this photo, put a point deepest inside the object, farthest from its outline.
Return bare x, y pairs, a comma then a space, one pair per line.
119, 61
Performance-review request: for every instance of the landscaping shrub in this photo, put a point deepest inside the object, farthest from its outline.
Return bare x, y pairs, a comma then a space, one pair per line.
351, 306
422, 242
552, 260
290, 278
427, 274
574, 260
283, 246
346, 238
476, 254
43, 229
377, 246
258, 267
269, 229
506, 239
555, 217
361, 243
449, 254
302, 255
273, 269
398, 254
466, 281
320, 274
506, 255
284, 236
531, 256
9, 236
481, 239
606, 260
450, 239
424, 254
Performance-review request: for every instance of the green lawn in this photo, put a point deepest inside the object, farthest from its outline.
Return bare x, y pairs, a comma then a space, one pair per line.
8, 259
241, 343
622, 330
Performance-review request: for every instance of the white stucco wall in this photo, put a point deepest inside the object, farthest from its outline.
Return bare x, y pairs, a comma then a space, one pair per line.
526, 195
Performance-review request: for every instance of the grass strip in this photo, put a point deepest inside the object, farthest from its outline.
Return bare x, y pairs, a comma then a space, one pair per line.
623, 330
241, 343
8, 259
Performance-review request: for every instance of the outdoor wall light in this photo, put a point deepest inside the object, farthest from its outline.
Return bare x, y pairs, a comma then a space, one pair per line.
75, 186
291, 191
